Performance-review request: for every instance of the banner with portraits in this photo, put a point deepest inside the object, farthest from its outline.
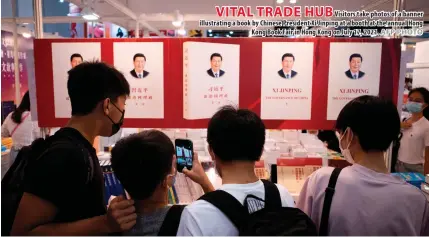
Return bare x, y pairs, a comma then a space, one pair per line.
354, 70
142, 64
66, 56
182, 82
211, 78
287, 80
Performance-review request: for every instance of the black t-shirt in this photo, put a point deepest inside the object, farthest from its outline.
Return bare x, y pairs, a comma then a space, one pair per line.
60, 176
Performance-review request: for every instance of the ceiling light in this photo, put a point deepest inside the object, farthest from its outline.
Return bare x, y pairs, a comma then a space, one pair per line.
292, 1
89, 14
26, 35
280, 1
181, 31
210, 31
211, 35
178, 19
231, 32
177, 23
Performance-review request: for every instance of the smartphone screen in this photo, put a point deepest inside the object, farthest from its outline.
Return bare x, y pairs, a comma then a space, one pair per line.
184, 154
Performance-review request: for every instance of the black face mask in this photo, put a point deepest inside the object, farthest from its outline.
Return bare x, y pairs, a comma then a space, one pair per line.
118, 125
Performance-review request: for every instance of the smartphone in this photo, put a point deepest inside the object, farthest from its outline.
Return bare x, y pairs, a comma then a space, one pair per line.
184, 154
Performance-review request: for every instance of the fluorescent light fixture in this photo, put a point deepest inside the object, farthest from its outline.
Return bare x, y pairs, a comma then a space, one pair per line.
26, 35
210, 31
89, 14
231, 32
292, 1
280, 1
211, 35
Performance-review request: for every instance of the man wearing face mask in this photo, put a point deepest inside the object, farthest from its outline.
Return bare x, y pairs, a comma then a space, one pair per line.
146, 166
367, 201
413, 154
64, 191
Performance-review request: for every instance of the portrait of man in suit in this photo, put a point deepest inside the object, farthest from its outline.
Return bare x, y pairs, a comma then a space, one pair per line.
355, 62
75, 59
287, 64
216, 63
139, 62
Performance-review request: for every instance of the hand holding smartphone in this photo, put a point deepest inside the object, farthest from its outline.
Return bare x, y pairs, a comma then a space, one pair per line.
184, 154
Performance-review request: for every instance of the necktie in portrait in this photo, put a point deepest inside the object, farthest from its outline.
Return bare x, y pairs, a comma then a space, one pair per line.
287, 76
215, 75
140, 75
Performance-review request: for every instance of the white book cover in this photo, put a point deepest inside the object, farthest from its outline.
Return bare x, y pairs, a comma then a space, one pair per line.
354, 70
142, 64
62, 62
211, 73
287, 80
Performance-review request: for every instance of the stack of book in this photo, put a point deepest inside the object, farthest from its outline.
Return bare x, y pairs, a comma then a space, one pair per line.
112, 186
425, 186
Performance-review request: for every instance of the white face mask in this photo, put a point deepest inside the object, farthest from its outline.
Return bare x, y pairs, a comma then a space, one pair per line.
346, 152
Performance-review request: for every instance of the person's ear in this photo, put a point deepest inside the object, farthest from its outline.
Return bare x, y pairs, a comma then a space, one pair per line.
106, 105
350, 137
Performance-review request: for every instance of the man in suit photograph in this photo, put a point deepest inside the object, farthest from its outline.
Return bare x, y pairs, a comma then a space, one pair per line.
139, 63
287, 64
355, 62
216, 63
75, 59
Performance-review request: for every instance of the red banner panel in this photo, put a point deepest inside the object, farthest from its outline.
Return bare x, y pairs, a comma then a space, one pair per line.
250, 71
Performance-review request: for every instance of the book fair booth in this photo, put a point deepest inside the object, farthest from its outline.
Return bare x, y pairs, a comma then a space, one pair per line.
178, 93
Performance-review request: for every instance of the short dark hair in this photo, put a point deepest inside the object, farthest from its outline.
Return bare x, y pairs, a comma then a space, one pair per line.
91, 82
373, 120
423, 91
216, 55
75, 55
236, 134
137, 55
355, 55
23, 106
141, 162
288, 55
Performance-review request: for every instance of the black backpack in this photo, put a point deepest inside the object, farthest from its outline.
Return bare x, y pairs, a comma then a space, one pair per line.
170, 225
271, 220
12, 184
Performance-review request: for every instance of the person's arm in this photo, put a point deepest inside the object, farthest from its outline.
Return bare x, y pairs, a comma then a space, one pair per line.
198, 175
50, 185
30, 222
426, 168
426, 165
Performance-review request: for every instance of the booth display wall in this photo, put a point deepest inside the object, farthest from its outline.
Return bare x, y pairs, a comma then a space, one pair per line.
250, 70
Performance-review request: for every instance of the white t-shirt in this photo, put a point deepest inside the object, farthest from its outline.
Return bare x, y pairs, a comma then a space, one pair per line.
203, 219
366, 203
25, 134
413, 143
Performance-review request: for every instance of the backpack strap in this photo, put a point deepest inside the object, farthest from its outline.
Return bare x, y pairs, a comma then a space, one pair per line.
229, 205
272, 195
171, 222
22, 120
329, 194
